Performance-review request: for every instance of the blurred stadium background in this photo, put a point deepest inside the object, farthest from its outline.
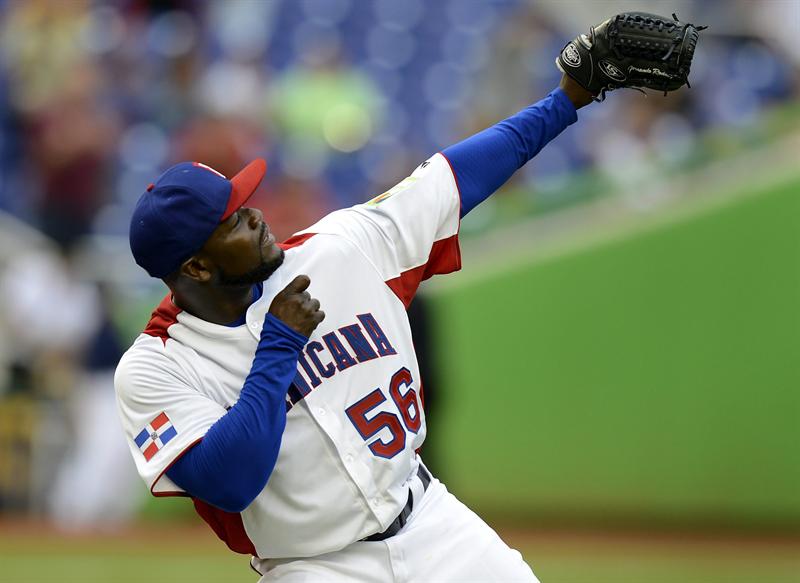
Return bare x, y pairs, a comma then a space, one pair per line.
614, 380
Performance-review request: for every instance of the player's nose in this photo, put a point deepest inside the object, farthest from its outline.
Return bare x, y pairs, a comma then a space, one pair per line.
256, 217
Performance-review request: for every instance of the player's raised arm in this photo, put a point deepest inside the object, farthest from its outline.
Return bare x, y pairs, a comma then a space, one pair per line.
484, 162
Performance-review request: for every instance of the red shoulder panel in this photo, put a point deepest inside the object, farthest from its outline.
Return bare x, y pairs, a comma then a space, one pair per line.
164, 316
445, 257
295, 241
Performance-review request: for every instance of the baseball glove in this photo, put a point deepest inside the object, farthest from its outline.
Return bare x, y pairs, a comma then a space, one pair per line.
632, 49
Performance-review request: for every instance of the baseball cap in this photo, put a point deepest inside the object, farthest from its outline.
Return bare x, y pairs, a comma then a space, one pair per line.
177, 214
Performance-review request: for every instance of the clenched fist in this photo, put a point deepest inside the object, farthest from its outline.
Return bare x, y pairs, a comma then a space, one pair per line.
295, 307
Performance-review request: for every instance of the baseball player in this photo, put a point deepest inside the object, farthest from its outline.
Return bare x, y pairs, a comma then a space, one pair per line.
276, 384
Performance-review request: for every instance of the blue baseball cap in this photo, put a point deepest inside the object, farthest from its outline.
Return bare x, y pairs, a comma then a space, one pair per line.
178, 212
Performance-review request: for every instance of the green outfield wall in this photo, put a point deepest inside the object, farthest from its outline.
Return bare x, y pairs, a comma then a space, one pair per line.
655, 378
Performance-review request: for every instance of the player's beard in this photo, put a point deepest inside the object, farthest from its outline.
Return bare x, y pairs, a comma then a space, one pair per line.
254, 276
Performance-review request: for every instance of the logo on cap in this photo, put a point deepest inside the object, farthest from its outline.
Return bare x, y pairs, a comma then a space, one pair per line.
201, 165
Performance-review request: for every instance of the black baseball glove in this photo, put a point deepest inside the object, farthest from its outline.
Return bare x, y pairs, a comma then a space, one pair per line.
632, 49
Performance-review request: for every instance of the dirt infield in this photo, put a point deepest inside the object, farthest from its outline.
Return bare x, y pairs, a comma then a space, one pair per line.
33, 552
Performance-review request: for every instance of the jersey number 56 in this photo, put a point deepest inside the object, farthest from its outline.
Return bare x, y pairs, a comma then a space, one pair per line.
408, 406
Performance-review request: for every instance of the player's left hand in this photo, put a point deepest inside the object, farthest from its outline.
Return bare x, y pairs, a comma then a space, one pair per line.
632, 49
296, 308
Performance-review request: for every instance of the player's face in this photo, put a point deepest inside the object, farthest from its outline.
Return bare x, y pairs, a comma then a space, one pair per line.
243, 250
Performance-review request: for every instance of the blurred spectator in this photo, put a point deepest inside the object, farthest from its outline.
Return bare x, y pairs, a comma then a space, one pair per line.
41, 48
96, 485
291, 204
323, 111
71, 141
67, 136
51, 313
103, 96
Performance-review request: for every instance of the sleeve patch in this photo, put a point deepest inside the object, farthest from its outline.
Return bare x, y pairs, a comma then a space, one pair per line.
404, 185
155, 435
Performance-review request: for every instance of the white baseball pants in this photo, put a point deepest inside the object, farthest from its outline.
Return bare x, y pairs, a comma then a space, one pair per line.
443, 541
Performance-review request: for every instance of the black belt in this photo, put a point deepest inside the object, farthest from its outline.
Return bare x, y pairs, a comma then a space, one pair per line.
401, 519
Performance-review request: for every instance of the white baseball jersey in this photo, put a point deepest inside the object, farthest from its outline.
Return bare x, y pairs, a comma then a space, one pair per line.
354, 411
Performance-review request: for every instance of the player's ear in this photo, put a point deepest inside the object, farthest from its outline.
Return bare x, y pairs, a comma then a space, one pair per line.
196, 268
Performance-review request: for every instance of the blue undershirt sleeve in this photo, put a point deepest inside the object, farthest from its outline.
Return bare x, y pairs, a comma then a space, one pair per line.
484, 162
230, 466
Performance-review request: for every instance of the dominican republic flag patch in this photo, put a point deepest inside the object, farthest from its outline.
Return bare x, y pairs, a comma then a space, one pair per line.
155, 435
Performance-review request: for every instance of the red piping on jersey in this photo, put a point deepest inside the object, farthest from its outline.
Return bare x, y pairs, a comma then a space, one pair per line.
445, 257
458, 189
164, 316
295, 241
164, 471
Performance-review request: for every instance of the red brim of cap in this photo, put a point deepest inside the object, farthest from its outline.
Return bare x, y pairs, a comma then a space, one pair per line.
244, 184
